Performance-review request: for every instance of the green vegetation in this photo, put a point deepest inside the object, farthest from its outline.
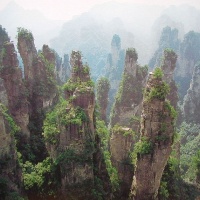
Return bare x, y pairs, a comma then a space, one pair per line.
47, 85
13, 127
132, 53
171, 182
103, 133
143, 70
40, 179
170, 54
58, 116
159, 91
70, 85
24, 33
173, 112
196, 163
158, 73
190, 139
122, 130
103, 87
5, 193
86, 69
143, 147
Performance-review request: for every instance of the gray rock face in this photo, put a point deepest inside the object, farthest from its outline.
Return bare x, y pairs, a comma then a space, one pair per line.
191, 103
3, 94
154, 147
114, 67
168, 66
76, 137
10, 171
125, 118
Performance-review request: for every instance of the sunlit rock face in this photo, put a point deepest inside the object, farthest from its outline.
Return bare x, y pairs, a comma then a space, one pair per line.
125, 119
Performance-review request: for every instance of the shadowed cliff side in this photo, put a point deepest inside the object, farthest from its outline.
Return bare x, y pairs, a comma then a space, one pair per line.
10, 172
103, 87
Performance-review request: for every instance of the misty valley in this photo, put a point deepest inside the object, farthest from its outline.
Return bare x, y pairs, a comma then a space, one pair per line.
104, 107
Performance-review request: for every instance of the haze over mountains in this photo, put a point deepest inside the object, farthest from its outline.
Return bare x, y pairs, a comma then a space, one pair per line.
103, 105
13, 16
138, 26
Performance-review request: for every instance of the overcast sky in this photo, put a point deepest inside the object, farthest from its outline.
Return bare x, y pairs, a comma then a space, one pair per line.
66, 9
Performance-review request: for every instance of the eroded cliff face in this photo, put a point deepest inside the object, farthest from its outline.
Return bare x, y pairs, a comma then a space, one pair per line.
63, 68
125, 118
16, 92
10, 173
39, 72
168, 39
154, 147
103, 87
41, 91
72, 141
168, 66
191, 102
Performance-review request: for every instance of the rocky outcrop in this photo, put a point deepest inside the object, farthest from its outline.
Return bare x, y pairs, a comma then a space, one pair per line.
65, 71
188, 52
39, 71
3, 37
10, 173
72, 140
63, 68
114, 67
40, 83
103, 86
168, 66
168, 39
188, 57
3, 93
15, 90
38, 68
154, 147
191, 102
125, 118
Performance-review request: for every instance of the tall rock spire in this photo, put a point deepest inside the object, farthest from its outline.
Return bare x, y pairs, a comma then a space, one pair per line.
125, 118
156, 138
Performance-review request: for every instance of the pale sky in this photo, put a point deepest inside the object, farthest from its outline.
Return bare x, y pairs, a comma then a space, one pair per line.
66, 9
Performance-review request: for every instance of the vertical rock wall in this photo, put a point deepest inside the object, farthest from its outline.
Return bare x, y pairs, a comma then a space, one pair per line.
154, 147
15, 89
125, 118
191, 103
